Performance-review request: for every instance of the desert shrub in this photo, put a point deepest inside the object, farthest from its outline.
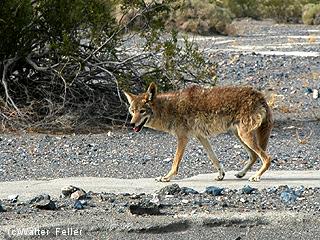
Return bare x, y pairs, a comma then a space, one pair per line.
63, 65
201, 16
243, 8
282, 10
311, 14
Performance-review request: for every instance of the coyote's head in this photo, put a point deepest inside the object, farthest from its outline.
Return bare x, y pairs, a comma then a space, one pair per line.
141, 107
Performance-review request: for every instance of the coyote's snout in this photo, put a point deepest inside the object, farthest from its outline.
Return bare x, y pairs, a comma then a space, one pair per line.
200, 112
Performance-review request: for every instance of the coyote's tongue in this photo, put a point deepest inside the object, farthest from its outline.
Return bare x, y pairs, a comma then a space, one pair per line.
136, 129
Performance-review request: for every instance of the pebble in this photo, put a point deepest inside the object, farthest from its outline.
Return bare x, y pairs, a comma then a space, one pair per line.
79, 194
248, 190
315, 94
67, 191
46, 204
215, 191
172, 189
1, 208
186, 191
78, 205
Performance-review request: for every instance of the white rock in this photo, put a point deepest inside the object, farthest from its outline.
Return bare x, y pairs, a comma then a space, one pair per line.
315, 94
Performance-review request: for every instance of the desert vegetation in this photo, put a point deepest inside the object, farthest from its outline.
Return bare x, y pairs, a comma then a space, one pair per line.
63, 65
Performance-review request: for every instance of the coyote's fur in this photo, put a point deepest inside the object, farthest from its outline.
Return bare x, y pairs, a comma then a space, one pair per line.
200, 112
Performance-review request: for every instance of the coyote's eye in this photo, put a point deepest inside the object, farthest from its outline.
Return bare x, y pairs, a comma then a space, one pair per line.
142, 111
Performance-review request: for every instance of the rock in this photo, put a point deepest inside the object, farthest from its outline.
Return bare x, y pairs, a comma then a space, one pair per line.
289, 195
308, 90
167, 160
1, 208
315, 94
145, 208
215, 191
39, 198
185, 201
170, 190
248, 190
186, 191
13, 198
271, 190
299, 191
155, 199
78, 205
79, 194
46, 204
67, 191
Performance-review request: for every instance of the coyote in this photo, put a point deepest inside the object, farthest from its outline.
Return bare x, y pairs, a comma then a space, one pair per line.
200, 112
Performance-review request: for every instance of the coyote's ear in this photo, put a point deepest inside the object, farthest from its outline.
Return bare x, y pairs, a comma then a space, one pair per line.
152, 91
129, 96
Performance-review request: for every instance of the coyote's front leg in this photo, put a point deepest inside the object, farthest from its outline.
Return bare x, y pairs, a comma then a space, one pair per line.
182, 143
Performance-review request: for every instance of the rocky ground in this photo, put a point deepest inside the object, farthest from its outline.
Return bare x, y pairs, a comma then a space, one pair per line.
281, 60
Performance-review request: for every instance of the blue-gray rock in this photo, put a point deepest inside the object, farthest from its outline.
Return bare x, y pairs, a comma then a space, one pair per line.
39, 198
170, 190
288, 196
215, 191
1, 208
299, 191
272, 190
78, 205
248, 190
186, 190
46, 204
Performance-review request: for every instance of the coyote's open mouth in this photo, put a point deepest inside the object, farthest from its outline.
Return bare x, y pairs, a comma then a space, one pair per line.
140, 126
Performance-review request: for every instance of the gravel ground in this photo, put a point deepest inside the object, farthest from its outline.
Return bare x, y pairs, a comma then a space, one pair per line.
121, 153
294, 143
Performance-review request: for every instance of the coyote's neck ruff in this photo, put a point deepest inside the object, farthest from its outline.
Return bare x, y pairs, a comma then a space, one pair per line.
200, 112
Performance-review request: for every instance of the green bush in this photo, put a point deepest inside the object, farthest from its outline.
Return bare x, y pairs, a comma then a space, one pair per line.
243, 8
202, 17
64, 63
311, 14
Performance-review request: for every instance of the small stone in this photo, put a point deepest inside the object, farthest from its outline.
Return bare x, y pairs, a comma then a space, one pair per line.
13, 198
78, 205
215, 191
271, 190
185, 201
186, 191
248, 190
46, 204
67, 191
308, 90
289, 196
315, 94
79, 194
1, 208
243, 200
170, 190
39, 198
167, 160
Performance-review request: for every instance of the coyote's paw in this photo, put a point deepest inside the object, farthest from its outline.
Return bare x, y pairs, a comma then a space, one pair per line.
220, 177
162, 179
240, 175
254, 179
